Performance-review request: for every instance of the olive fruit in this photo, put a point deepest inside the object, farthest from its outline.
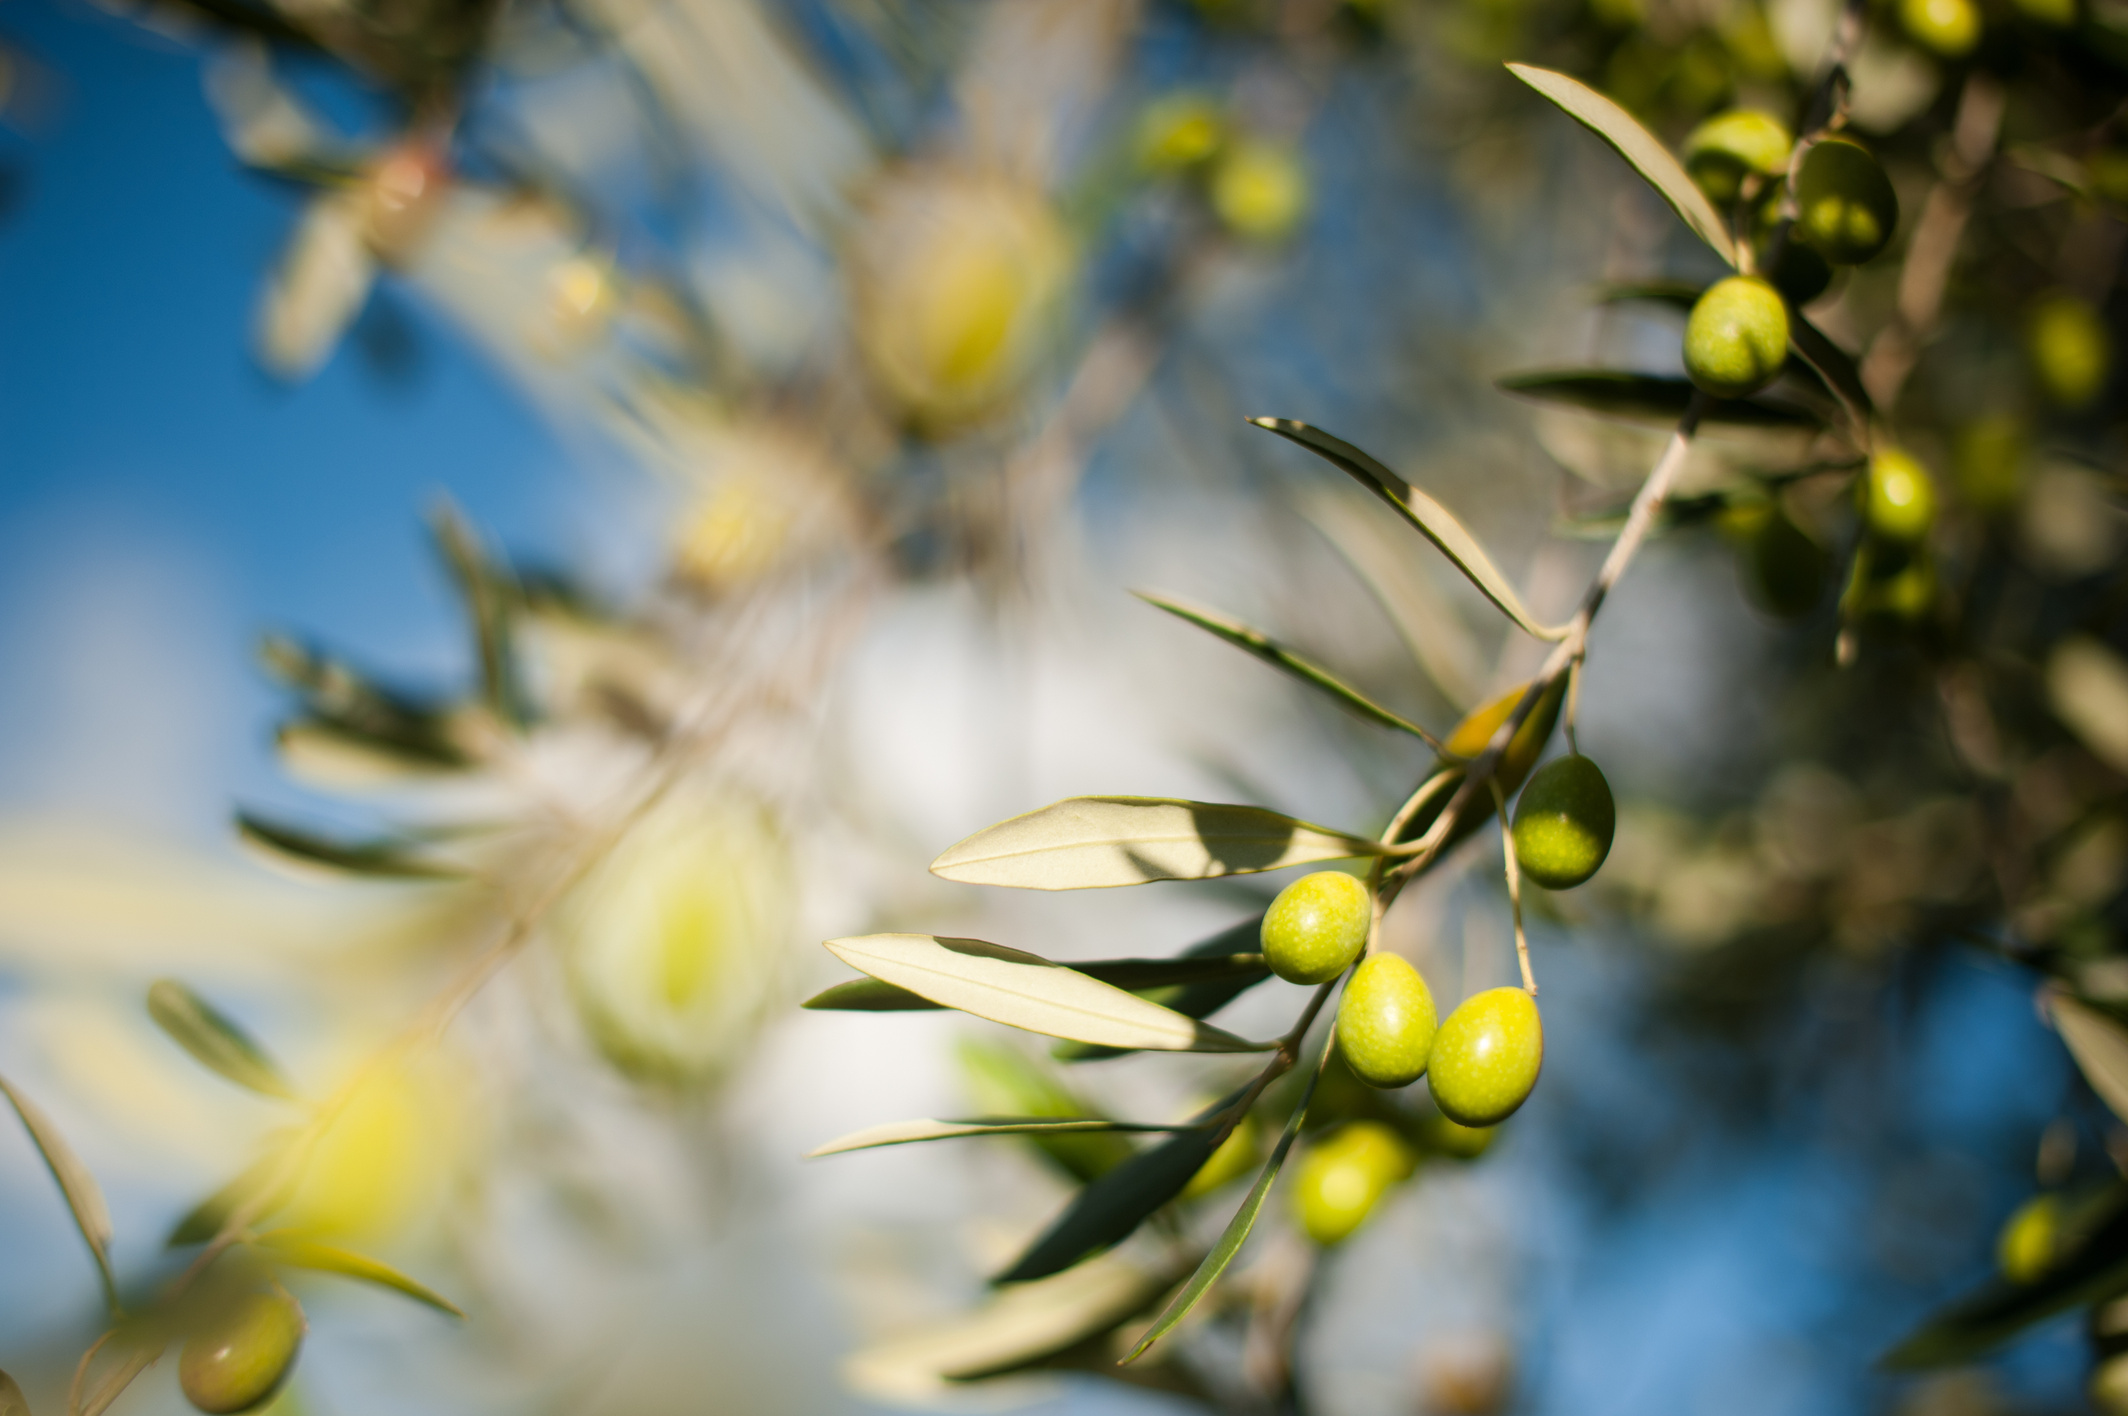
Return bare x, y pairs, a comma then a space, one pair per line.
2025, 1248
1737, 337
1233, 1158
1783, 570
1799, 273
1727, 147
1179, 132
1260, 190
1486, 1057
1898, 499
1948, 27
1564, 823
1385, 1022
1453, 1138
2070, 350
1342, 1177
1845, 206
239, 1360
1987, 460
1317, 926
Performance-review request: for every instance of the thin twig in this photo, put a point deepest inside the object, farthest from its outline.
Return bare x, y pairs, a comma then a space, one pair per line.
1514, 887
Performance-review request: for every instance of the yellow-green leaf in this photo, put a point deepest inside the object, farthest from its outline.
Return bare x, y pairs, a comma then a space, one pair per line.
1107, 1211
215, 1041
309, 852
901, 1133
302, 1253
91, 1216
1086, 843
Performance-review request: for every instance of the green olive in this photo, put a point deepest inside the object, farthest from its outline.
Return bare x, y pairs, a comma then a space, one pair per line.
2070, 349
1724, 149
1737, 337
1486, 1057
1317, 926
1947, 27
2025, 1248
1234, 1158
1987, 459
1800, 273
1786, 571
1181, 131
239, 1360
1564, 823
1454, 1138
1342, 1177
1845, 205
1475, 731
1385, 1022
1898, 499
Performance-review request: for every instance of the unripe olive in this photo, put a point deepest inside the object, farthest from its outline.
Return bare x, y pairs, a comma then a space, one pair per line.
1234, 1157
1845, 206
1564, 823
1486, 1057
1341, 1178
2025, 1248
1385, 1022
1737, 337
1987, 460
1799, 273
1180, 131
1948, 27
1454, 1138
1724, 149
1260, 191
2071, 351
1898, 499
238, 1361
1317, 926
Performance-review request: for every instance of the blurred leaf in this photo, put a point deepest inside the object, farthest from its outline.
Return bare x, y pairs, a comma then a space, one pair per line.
488, 597
1832, 364
1237, 1231
1085, 843
1647, 398
1279, 657
1015, 1328
383, 858
214, 1041
1198, 999
2087, 687
1023, 990
301, 1253
898, 1133
869, 995
320, 285
12, 1401
1107, 1211
1639, 148
205, 1219
1004, 1081
2100, 1046
1431, 627
91, 1216
1680, 295
345, 704
1434, 521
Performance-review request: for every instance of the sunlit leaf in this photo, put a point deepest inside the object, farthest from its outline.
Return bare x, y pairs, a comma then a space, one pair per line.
1238, 967
321, 284
1228, 949
1279, 657
1107, 1211
1648, 398
1025, 991
302, 1253
900, 1133
306, 850
1639, 147
215, 1041
91, 1216
2087, 687
1434, 521
1430, 626
1017, 1327
2100, 1046
1087, 843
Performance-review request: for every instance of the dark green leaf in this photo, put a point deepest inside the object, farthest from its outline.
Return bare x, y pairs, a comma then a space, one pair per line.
214, 1040
1832, 364
1199, 999
901, 1133
1649, 398
387, 859
84, 1199
1239, 968
1005, 1081
489, 598
1680, 295
1107, 1211
298, 1252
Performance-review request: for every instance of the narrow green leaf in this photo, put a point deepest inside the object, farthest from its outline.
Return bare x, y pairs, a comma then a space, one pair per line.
1107, 1211
1434, 521
12, 1401
1279, 657
869, 995
383, 859
1832, 364
1679, 295
298, 1252
1238, 967
205, 1219
1237, 1230
901, 1133
1197, 999
1089, 843
340, 697
214, 1041
91, 1216
1002, 1080
1639, 147
1023, 990
1648, 398
484, 587
2100, 1047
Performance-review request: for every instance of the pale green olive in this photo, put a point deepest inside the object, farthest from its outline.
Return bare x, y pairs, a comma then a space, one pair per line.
1564, 823
1948, 27
1486, 1057
1341, 1178
1898, 499
1234, 1158
1317, 926
1385, 1022
1737, 336
1723, 150
2070, 349
239, 1360
2026, 1246
1845, 206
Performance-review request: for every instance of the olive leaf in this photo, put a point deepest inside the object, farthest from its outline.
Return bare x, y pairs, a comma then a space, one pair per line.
1024, 990
1680, 295
1085, 843
2100, 1047
1648, 398
1434, 521
1004, 1081
12, 1401
306, 850
901, 1133
1832, 364
1279, 657
298, 1252
1017, 1327
1237, 1231
869, 995
485, 587
214, 1041
320, 285
348, 704
1639, 147
1239, 972
91, 1216
205, 1219
1108, 1210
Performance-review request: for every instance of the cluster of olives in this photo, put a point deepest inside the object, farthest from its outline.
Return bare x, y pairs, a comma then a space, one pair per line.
1893, 574
238, 1359
1258, 189
1481, 1063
